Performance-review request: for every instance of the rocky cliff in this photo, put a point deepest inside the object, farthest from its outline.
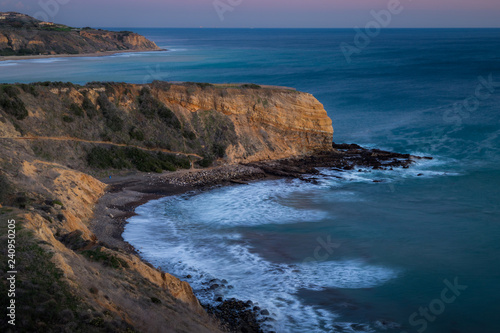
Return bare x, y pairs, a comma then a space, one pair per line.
204, 124
56, 139
24, 35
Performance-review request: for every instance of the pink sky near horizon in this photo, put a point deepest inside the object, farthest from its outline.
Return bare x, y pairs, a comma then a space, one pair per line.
259, 13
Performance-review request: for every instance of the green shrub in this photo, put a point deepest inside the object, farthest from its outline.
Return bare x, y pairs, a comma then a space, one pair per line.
134, 158
216, 132
44, 296
74, 240
147, 104
14, 106
9, 90
76, 110
21, 200
219, 150
136, 134
151, 107
7, 52
56, 84
250, 86
168, 117
103, 158
111, 115
30, 89
68, 119
202, 85
97, 322
57, 202
5, 189
155, 300
89, 107
105, 258
189, 135
206, 161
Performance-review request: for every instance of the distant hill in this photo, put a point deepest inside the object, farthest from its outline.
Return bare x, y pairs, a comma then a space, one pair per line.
21, 34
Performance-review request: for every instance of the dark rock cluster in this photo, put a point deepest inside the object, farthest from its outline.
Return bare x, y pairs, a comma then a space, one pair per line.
238, 316
341, 157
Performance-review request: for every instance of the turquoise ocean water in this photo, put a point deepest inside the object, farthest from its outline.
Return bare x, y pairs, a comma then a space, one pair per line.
417, 252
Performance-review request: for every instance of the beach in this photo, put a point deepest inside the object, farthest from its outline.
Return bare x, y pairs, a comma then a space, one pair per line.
125, 193
93, 55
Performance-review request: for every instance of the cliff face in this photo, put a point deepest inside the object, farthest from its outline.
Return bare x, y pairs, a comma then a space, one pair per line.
56, 137
269, 123
23, 35
208, 124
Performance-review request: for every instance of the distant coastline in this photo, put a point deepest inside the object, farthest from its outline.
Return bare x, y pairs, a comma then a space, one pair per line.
94, 54
24, 37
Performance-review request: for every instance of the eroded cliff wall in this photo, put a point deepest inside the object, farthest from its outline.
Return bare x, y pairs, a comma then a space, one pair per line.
56, 138
208, 124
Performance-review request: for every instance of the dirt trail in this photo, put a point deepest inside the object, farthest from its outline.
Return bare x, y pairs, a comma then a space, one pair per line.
67, 138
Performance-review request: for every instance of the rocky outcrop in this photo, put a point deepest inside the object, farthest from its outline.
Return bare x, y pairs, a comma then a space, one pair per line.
24, 35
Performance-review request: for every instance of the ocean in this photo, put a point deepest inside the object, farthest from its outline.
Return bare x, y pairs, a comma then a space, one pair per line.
416, 251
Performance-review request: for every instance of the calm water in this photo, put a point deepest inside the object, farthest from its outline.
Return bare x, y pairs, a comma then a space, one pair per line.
347, 255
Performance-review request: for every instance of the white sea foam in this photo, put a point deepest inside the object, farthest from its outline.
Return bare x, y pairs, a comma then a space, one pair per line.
44, 60
176, 50
194, 235
271, 286
251, 205
421, 168
8, 63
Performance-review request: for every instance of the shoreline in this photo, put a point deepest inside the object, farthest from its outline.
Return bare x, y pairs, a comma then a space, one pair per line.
125, 193
80, 55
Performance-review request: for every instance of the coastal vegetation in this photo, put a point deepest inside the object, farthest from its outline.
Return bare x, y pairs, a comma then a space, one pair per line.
44, 299
11, 103
22, 35
134, 158
121, 114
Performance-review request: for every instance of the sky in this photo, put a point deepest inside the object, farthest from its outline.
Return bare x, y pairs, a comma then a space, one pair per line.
262, 13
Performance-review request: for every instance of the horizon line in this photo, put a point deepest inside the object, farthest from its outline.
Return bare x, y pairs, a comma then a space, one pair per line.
332, 28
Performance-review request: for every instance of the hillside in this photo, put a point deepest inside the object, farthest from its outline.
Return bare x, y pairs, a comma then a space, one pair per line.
23, 35
57, 139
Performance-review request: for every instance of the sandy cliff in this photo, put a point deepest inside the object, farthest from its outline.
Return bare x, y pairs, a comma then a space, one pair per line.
220, 124
269, 123
55, 138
